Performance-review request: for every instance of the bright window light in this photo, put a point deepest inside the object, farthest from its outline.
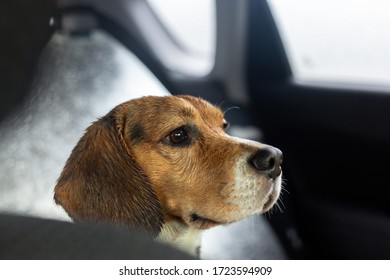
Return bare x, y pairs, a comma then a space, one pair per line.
336, 41
191, 23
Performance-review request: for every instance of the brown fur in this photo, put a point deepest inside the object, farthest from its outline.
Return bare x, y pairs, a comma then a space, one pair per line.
102, 182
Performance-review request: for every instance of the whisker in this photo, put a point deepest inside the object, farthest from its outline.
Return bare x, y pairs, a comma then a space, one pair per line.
281, 202
231, 108
283, 189
280, 209
269, 213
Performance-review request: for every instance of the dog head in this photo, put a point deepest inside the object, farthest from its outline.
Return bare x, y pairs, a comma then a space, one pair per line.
155, 159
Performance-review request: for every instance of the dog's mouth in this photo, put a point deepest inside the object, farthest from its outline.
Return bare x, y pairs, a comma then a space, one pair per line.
269, 204
272, 198
203, 222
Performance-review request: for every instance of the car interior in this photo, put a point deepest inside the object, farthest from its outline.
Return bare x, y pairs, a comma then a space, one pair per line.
335, 137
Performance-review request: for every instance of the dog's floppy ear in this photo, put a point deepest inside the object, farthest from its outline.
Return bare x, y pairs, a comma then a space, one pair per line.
102, 182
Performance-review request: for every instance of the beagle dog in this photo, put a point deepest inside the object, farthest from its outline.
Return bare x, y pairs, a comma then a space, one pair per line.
165, 165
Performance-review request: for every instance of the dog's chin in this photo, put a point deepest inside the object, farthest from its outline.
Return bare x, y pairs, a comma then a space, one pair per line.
201, 222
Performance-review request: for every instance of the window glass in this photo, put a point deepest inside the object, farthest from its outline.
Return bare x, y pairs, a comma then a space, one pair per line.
336, 41
190, 22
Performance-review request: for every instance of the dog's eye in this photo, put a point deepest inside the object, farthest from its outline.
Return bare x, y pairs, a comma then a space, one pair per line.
178, 137
225, 124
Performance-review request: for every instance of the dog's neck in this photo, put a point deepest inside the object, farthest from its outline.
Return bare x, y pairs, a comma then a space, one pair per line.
181, 236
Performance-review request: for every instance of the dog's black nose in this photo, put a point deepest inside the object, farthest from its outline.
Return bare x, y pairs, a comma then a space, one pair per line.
269, 161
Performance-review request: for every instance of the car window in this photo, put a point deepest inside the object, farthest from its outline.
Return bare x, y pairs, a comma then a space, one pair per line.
336, 41
192, 24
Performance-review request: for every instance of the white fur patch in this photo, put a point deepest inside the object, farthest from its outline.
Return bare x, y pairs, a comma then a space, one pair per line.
181, 236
